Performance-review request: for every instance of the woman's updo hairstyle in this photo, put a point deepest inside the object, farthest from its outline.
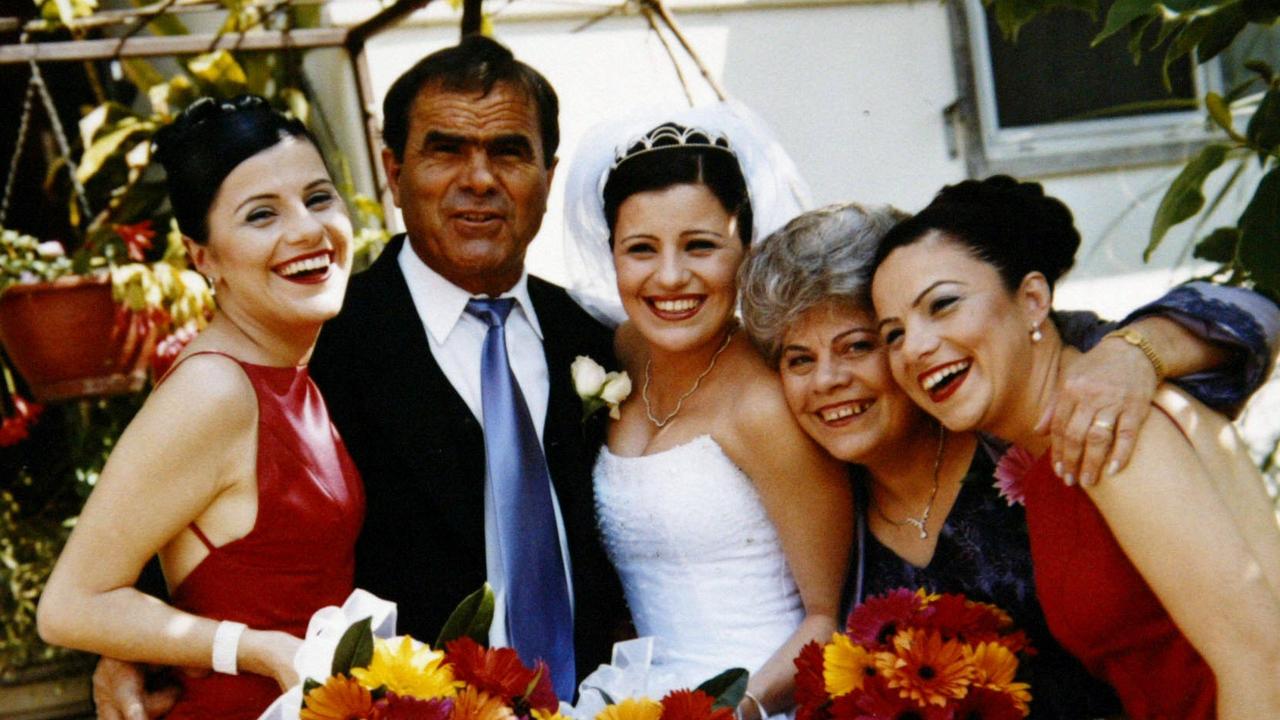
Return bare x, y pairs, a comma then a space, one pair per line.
201, 147
672, 154
1011, 225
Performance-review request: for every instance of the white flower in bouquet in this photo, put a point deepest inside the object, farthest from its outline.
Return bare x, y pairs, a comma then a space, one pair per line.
598, 388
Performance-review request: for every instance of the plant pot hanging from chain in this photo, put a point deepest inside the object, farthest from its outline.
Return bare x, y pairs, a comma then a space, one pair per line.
64, 339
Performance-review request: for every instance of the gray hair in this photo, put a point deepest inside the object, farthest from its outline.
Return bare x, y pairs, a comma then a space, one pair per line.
821, 256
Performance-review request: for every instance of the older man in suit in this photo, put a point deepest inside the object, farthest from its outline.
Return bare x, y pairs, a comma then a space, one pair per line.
409, 373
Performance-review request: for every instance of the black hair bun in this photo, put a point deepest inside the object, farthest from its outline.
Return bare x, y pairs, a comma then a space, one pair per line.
1036, 225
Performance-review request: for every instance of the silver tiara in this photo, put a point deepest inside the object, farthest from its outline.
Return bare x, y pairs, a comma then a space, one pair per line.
670, 136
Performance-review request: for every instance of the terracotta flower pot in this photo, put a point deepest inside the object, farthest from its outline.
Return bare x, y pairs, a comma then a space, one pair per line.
64, 339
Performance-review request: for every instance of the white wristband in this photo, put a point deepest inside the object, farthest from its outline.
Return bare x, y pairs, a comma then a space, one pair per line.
764, 714
226, 643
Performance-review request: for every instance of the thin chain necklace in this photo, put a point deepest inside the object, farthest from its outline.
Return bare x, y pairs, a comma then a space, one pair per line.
648, 377
921, 523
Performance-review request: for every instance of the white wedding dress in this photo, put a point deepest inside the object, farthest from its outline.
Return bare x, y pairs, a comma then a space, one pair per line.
700, 562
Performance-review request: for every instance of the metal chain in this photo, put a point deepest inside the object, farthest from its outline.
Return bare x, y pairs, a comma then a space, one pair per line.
64, 147
17, 152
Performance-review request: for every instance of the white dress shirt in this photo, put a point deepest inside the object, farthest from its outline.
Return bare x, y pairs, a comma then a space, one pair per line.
456, 340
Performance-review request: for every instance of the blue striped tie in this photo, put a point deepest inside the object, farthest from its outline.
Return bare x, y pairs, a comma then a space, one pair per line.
539, 618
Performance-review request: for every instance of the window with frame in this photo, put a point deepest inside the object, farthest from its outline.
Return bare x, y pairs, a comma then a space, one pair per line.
1051, 103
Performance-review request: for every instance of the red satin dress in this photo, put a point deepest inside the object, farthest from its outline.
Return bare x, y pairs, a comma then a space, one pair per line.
300, 554
1102, 611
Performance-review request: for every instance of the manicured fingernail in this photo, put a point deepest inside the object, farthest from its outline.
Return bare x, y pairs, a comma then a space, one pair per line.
1086, 479
1114, 467
1069, 479
1057, 468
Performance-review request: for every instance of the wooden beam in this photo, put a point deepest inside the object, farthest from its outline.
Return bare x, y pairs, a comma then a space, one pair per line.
154, 46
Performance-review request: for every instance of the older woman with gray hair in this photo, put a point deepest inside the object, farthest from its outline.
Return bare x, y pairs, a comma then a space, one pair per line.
933, 509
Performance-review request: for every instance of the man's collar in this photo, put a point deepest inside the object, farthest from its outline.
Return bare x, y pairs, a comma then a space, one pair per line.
442, 303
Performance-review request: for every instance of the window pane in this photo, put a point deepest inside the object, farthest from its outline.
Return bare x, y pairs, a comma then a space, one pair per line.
1255, 42
1051, 74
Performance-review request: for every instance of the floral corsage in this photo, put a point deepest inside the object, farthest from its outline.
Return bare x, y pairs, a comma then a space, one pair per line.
598, 388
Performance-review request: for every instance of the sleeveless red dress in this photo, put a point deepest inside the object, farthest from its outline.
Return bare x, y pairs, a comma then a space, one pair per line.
300, 554
1103, 612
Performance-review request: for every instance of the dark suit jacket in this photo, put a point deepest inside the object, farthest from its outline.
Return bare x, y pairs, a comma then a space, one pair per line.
421, 453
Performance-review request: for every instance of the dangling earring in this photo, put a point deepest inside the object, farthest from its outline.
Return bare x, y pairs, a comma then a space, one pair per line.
1036, 335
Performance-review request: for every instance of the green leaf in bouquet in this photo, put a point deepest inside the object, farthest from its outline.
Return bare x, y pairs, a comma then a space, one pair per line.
308, 685
355, 649
471, 618
727, 688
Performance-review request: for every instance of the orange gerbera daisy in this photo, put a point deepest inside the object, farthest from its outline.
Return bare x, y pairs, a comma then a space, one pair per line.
926, 668
845, 665
473, 704
995, 667
339, 698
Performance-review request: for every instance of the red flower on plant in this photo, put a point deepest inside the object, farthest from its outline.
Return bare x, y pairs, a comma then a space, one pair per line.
14, 428
499, 672
874, 623
987, 704
692, 705
403, 707
137, 239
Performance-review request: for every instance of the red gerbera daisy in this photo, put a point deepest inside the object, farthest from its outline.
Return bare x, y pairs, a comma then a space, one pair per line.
878, 701
874, 623
987, 704
403, 707
810, 689
499, 672
692, 705
954, 616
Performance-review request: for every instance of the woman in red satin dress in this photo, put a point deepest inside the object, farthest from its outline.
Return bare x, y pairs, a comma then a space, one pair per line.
231, 472
1163, 580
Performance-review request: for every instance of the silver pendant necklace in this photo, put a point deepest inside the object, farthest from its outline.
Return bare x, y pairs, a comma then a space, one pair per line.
648, 377
921, 523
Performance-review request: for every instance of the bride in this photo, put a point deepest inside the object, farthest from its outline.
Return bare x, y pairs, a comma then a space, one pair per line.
729, 527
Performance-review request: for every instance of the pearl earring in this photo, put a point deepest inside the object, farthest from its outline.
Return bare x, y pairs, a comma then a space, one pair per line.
1036, 335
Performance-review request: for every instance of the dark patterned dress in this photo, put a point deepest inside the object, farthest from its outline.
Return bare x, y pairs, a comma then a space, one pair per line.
984, 553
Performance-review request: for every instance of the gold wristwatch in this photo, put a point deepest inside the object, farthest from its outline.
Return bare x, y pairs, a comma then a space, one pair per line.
1140, 341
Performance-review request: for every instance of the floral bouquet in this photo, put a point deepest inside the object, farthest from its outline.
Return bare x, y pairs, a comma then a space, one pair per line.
914, 654
370, 674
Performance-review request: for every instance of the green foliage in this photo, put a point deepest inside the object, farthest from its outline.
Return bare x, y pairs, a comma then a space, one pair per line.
1248, 253
471, 618
355, 648
728, 688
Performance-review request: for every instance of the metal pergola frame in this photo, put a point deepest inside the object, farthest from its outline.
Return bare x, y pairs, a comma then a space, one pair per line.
131, 45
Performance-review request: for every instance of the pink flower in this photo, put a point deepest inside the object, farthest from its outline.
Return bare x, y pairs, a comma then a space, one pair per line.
1010, 469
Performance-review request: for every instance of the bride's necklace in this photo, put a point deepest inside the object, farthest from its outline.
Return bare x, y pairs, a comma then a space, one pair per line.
648, 377
921, 523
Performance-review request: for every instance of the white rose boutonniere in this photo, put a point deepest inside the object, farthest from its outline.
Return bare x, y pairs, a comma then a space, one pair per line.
598, 388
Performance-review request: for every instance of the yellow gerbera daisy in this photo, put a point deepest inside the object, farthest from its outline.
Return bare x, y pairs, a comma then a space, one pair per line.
845, 665
544, 715
641, 708
339, 698
995, 667
404, 669
926, 668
